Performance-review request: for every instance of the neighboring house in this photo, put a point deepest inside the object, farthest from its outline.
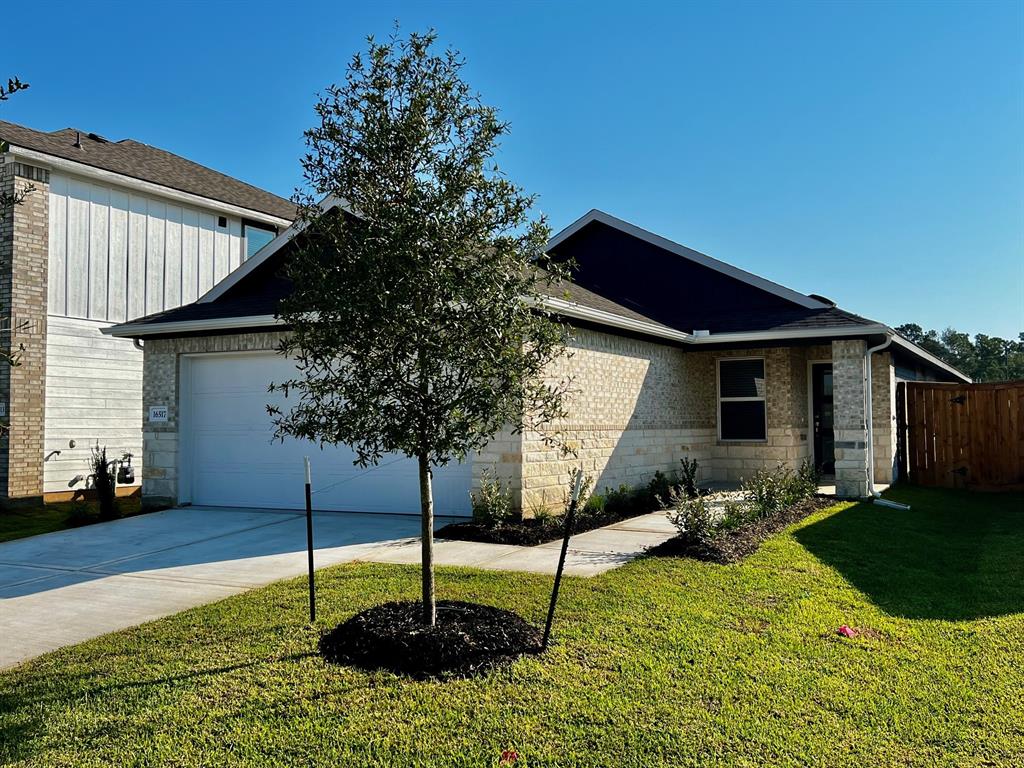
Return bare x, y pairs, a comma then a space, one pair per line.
673, 354
113, 230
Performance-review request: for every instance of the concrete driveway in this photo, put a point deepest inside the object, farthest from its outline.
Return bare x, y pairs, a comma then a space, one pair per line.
65, 587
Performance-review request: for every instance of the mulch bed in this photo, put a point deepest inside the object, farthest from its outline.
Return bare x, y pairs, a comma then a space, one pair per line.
532, 531
739, 543
468, 639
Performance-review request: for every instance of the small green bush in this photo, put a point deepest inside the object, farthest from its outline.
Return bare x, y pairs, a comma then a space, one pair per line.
492, 504
658, 492
688, 476
769, 491
104, 482
595, 504
694, 517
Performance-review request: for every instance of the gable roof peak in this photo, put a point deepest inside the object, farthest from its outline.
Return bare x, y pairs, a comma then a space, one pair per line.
595, 215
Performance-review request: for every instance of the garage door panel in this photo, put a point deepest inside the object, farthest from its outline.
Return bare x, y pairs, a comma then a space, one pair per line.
236, 462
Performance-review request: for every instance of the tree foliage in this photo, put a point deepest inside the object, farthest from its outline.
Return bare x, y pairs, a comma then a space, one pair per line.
985, 358
415, 314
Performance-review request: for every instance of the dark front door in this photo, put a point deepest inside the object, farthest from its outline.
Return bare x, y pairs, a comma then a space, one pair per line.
822, 418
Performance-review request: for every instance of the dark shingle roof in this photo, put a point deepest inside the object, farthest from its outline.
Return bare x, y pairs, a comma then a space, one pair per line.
250, 300
141, 161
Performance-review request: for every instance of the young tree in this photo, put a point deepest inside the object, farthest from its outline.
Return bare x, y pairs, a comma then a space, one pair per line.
415, 317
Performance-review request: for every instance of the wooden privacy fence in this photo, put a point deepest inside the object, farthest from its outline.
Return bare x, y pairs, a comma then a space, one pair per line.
960, 435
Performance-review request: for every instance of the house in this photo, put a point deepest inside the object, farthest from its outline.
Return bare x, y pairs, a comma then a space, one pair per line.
673, 354
111, 231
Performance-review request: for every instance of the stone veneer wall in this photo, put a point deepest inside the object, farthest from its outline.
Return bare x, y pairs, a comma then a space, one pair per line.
883, 415
638, 407
635, 407
24, 256
161, 382
848, 393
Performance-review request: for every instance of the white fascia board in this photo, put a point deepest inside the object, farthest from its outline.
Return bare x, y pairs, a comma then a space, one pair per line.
141, 330
571, 309
53, 163
797, 333
928, 357
687, 253
264, 253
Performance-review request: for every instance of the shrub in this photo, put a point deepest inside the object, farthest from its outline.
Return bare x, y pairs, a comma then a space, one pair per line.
806, 480
585, 486
769, 491
694, 517
619, 501
688, 476
492, 504
658, 491
595, 504
103, 480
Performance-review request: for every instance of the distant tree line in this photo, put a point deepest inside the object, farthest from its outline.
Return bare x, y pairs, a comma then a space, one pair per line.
986, 358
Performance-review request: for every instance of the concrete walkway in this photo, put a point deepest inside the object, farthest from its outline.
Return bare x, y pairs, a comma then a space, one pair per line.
66, 587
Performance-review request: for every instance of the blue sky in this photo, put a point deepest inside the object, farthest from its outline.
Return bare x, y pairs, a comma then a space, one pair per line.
870, 152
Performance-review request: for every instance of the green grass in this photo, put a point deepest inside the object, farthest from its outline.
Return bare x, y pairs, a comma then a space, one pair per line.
46, 518
662, 662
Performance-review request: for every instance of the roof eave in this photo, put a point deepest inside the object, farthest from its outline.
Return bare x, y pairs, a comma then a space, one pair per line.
52, 162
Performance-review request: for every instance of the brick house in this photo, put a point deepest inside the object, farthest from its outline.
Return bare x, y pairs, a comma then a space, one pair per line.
111, 231
673, 354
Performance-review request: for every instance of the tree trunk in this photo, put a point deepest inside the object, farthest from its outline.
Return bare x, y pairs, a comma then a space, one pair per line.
427, 510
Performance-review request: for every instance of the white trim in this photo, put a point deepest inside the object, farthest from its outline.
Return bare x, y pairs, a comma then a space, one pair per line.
718, 397
929, 357
572, 309
800, 333
686, 253
139, 330
111, 177
264, 253
810, 404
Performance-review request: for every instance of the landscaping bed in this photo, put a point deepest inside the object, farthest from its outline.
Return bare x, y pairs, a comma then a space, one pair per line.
735, 544
496, 522
533, 531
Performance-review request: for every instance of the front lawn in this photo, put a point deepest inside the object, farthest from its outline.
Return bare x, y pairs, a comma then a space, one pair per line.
666, 661
46, 518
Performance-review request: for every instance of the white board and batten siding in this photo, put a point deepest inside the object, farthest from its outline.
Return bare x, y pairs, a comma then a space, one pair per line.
115, 255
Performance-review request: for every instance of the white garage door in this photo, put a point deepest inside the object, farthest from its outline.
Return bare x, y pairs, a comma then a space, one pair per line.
230, 459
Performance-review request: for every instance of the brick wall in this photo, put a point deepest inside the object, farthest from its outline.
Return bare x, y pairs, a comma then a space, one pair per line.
635, 407
848, 392
24, 234
883, 414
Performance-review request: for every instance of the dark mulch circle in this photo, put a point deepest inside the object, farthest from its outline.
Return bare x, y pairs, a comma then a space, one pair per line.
739, 543
468, 639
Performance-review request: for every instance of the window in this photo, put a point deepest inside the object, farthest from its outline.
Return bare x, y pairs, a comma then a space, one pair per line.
741, 404
256, 236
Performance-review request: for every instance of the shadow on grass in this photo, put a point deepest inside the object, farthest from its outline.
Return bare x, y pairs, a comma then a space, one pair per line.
20, 706
955, 555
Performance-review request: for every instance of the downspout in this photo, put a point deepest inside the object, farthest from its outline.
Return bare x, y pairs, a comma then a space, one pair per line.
869, 426
137, 343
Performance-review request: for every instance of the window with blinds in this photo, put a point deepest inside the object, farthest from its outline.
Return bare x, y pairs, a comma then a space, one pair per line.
741, 399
